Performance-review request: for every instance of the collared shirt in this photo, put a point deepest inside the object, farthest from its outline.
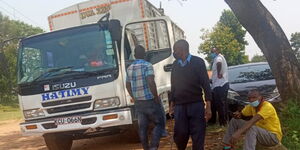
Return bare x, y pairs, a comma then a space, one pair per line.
270, 119
187, 60
137, 74
216, 82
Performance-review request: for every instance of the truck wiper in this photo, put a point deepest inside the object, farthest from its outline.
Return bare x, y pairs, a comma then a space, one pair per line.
47, 73
74, 72
79, 74
90, 73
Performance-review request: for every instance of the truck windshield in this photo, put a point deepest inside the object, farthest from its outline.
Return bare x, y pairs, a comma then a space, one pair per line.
86, 49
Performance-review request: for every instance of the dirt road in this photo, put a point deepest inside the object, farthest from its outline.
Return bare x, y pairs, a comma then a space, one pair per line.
11, 139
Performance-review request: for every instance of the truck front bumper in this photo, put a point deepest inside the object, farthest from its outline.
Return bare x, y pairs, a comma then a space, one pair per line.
91, 120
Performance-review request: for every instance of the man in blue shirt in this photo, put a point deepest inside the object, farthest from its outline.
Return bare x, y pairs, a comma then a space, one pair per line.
141, 86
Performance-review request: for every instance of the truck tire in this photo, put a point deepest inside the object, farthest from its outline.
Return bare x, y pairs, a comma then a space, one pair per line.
133, 132
57, 141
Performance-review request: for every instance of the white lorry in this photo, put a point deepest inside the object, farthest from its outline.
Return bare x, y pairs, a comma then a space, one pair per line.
71, 81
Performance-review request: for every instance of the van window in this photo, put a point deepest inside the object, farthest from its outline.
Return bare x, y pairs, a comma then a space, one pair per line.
250, 73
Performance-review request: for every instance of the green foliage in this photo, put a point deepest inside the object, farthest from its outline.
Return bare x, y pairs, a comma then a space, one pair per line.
290, 118
224, 39
10, 112
229, 19
229, 36
10, 32
258, 58
295, 43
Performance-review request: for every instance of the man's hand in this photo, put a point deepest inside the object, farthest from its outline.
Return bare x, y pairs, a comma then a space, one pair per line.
235, 137
237, 115
207, 111
220, 76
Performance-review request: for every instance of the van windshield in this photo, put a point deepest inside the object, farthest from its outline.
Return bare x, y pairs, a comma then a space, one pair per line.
82, 49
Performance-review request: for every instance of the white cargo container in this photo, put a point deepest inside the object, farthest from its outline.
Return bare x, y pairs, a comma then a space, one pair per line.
72, 80
91, 11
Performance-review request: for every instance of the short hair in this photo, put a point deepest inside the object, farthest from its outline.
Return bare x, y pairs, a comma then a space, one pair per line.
216, 48
139, 52
254, 91
182, 44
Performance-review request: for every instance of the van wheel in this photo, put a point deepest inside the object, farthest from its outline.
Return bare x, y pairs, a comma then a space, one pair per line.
57, 141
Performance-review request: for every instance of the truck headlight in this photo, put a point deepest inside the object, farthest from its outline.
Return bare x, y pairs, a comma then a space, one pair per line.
106, 103
33, 113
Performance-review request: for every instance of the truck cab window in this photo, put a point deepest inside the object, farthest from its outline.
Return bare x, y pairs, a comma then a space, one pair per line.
85, 49
32, 63
153, 35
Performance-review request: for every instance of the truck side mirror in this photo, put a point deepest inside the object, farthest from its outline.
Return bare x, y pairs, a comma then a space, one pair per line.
115, 29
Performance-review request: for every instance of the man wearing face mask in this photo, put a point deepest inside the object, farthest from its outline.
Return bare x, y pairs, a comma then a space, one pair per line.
220, 87
263, 127
188, 79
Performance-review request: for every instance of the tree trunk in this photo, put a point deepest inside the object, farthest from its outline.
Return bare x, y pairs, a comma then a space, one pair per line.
270, 38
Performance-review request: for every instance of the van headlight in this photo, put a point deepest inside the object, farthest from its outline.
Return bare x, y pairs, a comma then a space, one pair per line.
274, 96
106, 103
33, 113
232, 95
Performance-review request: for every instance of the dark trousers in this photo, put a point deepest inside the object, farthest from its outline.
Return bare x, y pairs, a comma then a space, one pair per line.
219, 104
148, 112
189, 121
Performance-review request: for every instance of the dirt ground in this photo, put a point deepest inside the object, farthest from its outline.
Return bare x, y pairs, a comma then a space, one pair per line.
11, 139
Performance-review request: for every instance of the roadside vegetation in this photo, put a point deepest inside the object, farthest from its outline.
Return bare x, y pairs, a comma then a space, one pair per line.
290, 122
10, 112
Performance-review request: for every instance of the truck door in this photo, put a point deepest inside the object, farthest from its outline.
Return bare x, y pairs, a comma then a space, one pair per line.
154, 37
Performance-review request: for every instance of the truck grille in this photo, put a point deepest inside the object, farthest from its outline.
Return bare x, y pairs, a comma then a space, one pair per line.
68, 108
67, 101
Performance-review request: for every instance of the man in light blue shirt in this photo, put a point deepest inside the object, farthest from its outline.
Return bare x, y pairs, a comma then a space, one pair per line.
141, 86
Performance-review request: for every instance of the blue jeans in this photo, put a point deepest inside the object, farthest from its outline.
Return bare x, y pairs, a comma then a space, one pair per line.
148, 112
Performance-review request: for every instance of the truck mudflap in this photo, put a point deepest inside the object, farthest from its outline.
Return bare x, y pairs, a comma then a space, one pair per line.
92, 120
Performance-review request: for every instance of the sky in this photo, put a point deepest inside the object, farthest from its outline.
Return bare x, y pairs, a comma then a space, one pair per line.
190, 15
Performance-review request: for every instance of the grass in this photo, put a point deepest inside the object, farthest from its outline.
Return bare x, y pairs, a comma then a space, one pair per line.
290, 122
9, 112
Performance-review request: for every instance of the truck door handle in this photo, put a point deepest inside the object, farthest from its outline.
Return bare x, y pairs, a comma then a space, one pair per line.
168, 67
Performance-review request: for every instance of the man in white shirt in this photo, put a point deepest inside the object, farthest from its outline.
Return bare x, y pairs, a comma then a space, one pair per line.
220, 85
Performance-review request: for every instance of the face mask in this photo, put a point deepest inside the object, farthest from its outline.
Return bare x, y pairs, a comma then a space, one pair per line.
175, 56
213, 55
255, 103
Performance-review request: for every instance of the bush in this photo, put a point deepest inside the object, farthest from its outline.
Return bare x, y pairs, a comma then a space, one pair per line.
290, 119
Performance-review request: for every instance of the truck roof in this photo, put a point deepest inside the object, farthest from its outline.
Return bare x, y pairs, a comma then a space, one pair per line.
91, 11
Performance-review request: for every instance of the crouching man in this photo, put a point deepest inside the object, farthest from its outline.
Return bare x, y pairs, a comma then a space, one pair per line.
263, 127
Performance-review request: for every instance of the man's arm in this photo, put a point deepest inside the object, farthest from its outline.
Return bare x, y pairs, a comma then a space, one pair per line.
239, 115
152, 86
204, 81
129, 90
171, 97
236, 136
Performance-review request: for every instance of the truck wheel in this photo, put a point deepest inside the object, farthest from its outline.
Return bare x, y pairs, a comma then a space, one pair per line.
56, 141
133, 132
